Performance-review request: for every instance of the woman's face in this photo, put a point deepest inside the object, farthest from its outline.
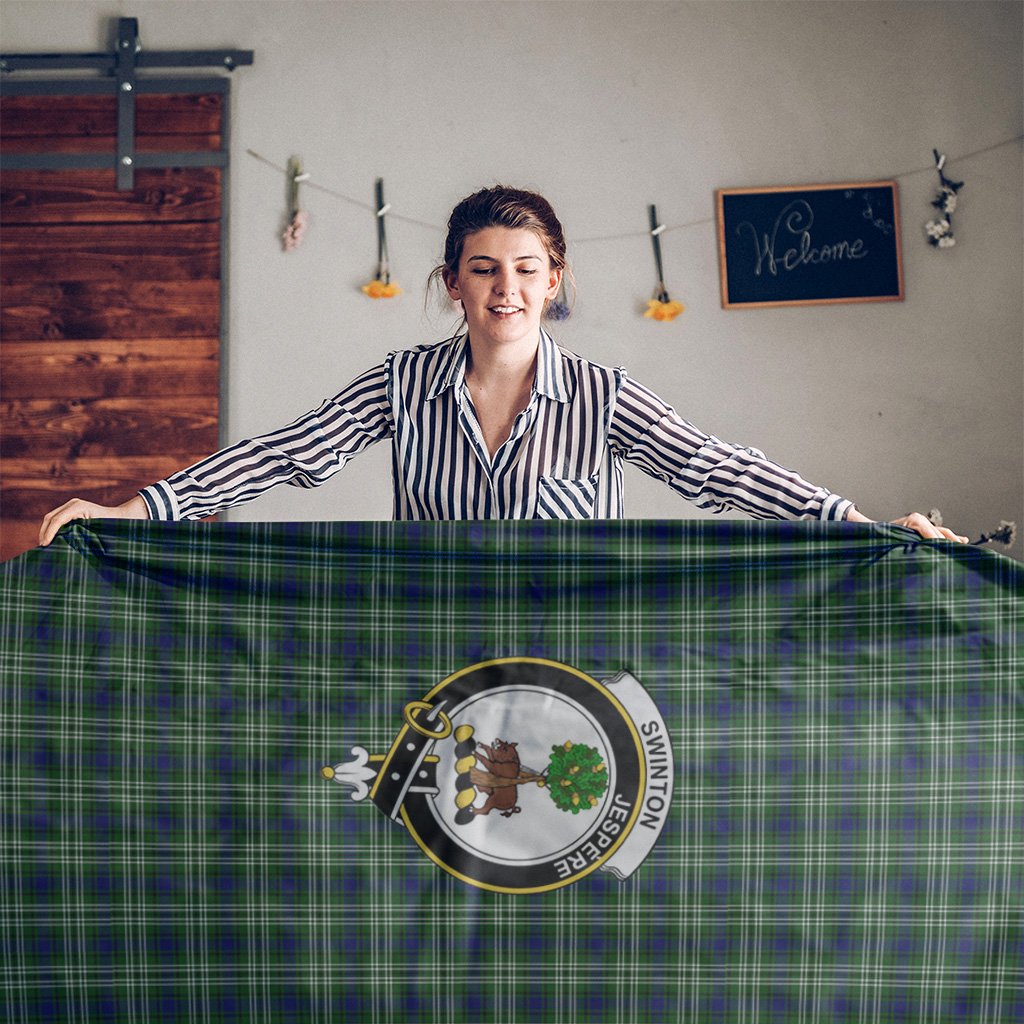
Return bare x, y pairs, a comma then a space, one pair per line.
505, 278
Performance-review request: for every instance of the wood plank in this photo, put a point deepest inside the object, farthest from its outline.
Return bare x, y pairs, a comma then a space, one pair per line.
73, 428
108, 144
84, 116
110, 252
110, 369
31, 487
94, 310
82, 197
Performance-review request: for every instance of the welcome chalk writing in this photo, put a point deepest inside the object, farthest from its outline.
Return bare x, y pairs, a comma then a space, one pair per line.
813, 244
797, 219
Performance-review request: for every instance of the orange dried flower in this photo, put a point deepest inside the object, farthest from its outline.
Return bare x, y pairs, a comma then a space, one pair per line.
380, 290
664, 311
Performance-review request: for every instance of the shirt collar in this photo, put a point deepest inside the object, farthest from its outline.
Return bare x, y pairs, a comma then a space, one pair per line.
550, 379
451, 370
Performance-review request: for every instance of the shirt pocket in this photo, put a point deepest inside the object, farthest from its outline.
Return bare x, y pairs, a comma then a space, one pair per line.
563, 498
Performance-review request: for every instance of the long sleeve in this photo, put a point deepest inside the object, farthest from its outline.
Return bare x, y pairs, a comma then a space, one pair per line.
304, 454
711, 473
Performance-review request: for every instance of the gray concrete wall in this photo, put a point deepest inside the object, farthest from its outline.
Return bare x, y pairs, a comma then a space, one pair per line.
606, 107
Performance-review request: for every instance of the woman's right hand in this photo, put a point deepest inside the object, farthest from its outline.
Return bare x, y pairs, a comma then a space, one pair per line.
76, 508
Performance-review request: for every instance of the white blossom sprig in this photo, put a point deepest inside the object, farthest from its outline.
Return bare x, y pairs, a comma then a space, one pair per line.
940, 230
1005, 533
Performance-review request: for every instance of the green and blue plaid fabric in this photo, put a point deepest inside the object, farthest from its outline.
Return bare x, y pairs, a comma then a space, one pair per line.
845, 841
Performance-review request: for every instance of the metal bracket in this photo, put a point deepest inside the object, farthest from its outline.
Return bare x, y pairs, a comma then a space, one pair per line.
128, 47
123, 65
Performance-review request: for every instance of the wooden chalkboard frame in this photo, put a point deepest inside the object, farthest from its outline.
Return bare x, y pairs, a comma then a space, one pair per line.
889, 265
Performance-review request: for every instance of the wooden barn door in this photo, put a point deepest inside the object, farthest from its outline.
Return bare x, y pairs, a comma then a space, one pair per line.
111, 302
110, 309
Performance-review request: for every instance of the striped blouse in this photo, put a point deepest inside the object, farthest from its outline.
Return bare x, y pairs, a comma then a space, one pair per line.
562, 459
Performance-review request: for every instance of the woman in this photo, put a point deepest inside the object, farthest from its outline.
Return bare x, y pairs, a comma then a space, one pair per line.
498, 422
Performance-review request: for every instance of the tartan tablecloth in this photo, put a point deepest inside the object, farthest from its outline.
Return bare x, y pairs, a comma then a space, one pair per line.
843, 823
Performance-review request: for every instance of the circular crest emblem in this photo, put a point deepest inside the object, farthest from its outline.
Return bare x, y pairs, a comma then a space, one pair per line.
522, 775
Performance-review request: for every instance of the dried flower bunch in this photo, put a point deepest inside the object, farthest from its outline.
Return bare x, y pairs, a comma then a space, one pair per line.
299, 219
558, 308
381, 287
661, 307
940, 231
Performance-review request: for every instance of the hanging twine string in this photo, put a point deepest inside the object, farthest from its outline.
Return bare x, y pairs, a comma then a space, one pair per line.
312, 184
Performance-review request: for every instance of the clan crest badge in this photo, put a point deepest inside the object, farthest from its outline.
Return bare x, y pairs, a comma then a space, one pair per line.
522, 775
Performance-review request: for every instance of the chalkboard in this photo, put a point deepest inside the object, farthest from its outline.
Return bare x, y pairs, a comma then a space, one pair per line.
812, 244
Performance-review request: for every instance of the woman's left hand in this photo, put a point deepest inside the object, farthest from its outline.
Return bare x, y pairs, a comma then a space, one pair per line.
917, 522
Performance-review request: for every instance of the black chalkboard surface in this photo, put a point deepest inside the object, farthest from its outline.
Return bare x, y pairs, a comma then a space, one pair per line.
812, 244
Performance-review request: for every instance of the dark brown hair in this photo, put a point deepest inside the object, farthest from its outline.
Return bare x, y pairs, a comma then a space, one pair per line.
501, 207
